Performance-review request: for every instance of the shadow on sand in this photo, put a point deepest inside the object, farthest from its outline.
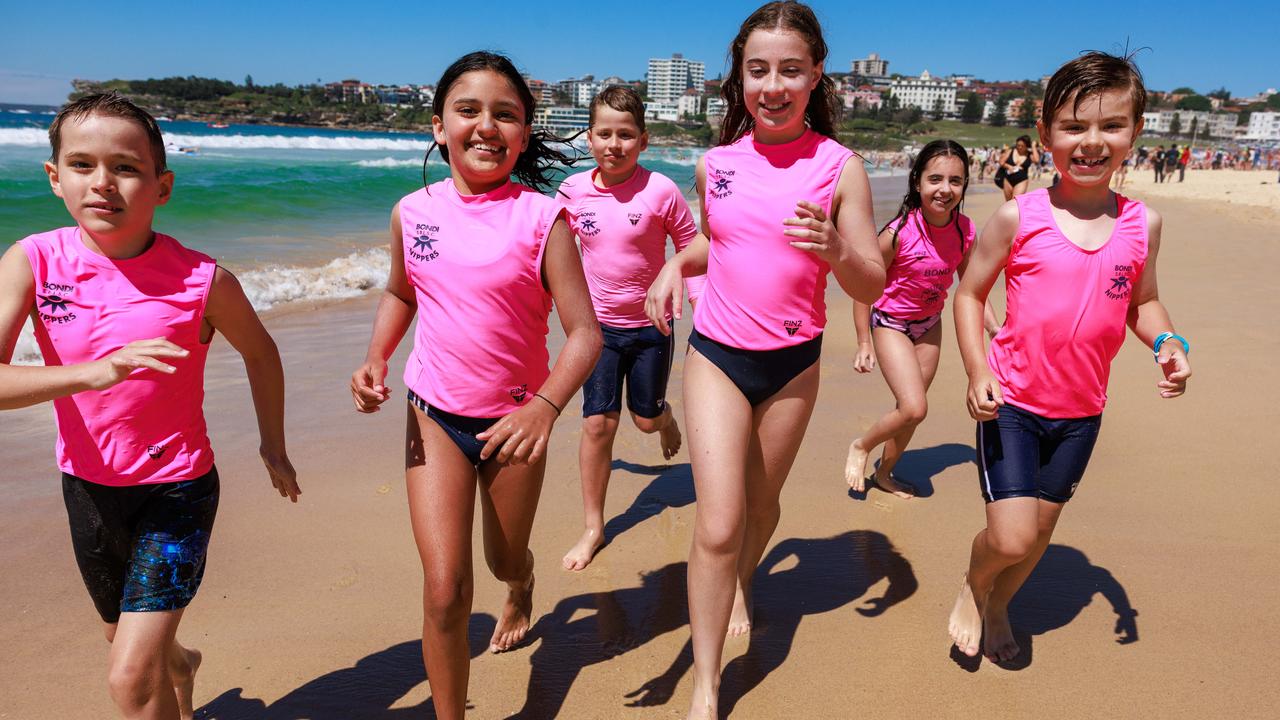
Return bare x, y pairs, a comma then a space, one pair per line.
672, 487
919, 467
1059, 589
364, 691
798, 577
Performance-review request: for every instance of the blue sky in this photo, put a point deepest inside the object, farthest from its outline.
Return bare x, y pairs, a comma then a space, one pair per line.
44, 44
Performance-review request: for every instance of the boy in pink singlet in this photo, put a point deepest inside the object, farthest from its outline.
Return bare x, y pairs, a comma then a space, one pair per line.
622, 214
138, 478
1079, 263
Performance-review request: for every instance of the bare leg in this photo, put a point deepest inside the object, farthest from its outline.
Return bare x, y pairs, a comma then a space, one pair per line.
1010, 535
926, 354
667, 428
140, 677
442, 491
999, 644
508, 502
595, 458
778, 426
719, 426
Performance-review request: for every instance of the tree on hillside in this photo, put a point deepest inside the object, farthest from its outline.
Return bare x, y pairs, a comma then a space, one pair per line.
1183, 91
938, 109
1221, 93
998, 118
248, 81
972, 110
1195, 102
1175, 125
1027, 113
1273, 101
1195, 122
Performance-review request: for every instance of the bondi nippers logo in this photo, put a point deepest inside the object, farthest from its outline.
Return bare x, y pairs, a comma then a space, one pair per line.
721, 180
587, 224
424, 240
791, 326
1120, 287
519, 392
53, 304
156, 451
635, 218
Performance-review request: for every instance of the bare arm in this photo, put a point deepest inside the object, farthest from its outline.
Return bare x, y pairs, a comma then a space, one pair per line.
847, 239
666, 294
395, 313
988, 258
229, 312
25, 386
1148, 318
989, 319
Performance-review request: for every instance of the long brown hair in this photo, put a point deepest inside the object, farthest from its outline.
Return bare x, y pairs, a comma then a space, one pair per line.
824, 105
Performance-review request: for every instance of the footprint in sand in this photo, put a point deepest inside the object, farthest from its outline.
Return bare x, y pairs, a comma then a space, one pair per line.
883, 506
383, 489
346, 581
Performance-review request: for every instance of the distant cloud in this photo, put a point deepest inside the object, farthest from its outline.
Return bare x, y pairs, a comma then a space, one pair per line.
34, 88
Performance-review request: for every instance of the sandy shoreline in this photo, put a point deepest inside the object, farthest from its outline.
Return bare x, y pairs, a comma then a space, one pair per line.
314, 611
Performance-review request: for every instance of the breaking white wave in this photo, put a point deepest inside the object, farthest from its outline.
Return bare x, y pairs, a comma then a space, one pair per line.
38, 137
343, 277
390, 162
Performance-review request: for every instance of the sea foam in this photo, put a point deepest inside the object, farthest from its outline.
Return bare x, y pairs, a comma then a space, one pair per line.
343, 277
38, 137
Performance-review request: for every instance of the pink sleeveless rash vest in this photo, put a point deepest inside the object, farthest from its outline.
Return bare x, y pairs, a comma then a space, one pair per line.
924, 266
475, 264
761, 293
1067, 310
149, 428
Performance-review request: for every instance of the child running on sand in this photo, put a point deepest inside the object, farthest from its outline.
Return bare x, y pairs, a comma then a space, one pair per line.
922, 246
622, 214
1079, 262
138, 477
479, 259
783, 205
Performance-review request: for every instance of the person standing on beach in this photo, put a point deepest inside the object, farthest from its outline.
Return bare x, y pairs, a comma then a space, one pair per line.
1170, 162
1157, 163
622, 214
1079, 262
1183, 159
923, 246
138, 477
479, 259
783, 204
1015, 163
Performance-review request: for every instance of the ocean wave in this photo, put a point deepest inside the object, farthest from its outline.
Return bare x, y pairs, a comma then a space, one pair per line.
390, 162
343, 277
38, 137
30, 137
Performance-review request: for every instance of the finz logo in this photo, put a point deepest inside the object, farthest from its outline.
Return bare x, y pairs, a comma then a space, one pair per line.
156, 451
720, 184
519, 392
791, 326
587, 224
424, 241
54, 299
635, 218
1120, 286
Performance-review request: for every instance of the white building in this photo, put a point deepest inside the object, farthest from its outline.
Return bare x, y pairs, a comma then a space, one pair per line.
689, 104
661, 111
716, 107
870, 67
1218, 125
562, 120
924, 92
670, 77
579, 90
1263, 126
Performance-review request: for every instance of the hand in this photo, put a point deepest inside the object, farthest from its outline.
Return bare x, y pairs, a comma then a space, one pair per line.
1177, 369
864, 360
283, 477
117, 366
1126, 626
984, 397
520, 438
665, 297
818, 234
657, 691
367, 388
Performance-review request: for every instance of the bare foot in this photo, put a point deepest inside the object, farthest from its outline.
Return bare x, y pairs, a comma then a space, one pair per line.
184, 682
966, 621
997, 641
703, 705
513, 624
669, 437
581, 554
855, 467
740, 617
890, 484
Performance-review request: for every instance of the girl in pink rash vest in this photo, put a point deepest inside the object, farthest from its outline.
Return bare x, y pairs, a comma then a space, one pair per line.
1079, 263
622, 214
924, 246
138, 475
479, 259
783, 204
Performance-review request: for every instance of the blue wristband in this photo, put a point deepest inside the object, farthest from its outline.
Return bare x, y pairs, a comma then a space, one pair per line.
1164, 336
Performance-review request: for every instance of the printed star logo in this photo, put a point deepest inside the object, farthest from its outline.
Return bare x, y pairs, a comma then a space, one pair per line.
588, 226
423, 244
55, 303
721, 185
1119, 284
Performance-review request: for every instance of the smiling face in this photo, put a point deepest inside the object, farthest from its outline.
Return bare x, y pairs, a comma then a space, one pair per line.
778, 75
1090, 143
106, 176
616, 143
483, 125
941, 188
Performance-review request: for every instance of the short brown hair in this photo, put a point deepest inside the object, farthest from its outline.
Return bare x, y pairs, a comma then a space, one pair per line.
108, 105
620, 98
1091, 74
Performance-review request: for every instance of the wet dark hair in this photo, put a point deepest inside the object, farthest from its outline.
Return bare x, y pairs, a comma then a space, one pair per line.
912, 201
1024, 139
1091, 74
108, 105
622, 99
537, 165
824, 105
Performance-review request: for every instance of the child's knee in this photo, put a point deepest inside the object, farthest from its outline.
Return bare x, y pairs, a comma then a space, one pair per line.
598, 428
649, 425
445, 600
914, 411
1012, 543
133, 681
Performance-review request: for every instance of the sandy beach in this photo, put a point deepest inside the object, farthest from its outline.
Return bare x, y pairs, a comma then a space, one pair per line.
1157, 598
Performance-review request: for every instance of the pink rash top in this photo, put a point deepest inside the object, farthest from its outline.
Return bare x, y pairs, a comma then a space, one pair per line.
623, 230
149, 428
1067, 309
475, 264
924, 266
761, 293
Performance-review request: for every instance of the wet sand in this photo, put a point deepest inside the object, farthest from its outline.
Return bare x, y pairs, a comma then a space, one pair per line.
1156, 599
